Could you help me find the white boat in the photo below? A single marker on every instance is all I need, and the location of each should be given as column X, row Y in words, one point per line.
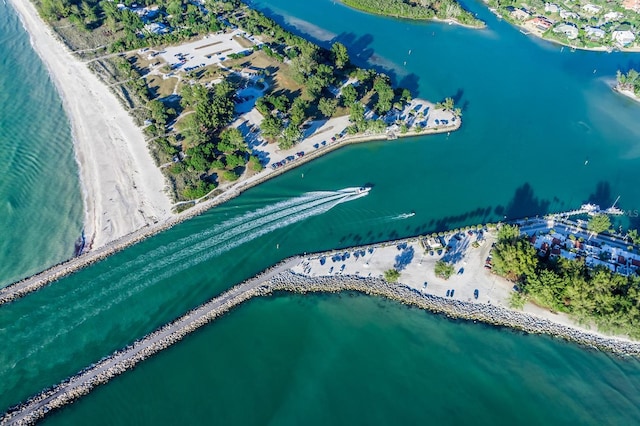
column 363, row 190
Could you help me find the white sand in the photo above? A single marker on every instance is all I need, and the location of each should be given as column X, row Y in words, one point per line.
column 123, row 189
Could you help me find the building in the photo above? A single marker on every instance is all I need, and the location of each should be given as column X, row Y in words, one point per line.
column 594, row 33
column 613, row 16
column 567, row 14
column 592, row 8
column 520, row 14
column 568, row 30
column 156, row 28
column 551, row 8
column 541, row 23
column 631, row 5
column 623, row 37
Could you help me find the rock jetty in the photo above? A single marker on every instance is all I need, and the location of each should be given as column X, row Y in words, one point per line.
column 280, row 279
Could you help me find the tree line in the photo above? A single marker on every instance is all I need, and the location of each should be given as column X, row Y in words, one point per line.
column 598, row 295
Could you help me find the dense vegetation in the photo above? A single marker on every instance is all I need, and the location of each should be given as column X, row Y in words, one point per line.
column 416, row 9
column 629, row 81
column 190, row 138
column 590, row 295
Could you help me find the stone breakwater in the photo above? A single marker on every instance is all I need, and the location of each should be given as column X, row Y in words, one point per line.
column 35, row 282
column 280, row 279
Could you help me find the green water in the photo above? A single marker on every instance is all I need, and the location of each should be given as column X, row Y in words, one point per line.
column 533, row 116
column 357, row 360
column 40, row 204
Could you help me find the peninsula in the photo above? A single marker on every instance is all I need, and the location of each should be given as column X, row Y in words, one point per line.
column 176, row 108
column 628, row 84
column 446, row 10
column 588, row 25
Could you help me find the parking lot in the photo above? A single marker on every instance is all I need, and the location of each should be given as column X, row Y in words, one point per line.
column 211, row 49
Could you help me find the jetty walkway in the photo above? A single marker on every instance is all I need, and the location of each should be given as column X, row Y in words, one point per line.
column 120, row 361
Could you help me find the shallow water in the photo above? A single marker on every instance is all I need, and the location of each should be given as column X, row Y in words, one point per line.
column 40, row 202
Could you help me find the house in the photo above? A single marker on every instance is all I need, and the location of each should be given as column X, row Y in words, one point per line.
column 623, row 37
column 551, row 8
column 592, row 8
column 542, row 23
column 156, row 28
column 567, row 14
column 250, row 72
column 613, row 16
column 568, row 30
column 594, row 33
column 520, row 14
column 631, row 5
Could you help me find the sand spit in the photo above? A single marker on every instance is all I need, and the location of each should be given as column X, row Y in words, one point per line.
column 123, row 190
column 281, row 279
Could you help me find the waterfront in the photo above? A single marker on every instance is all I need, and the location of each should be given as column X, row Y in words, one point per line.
column 508, row 159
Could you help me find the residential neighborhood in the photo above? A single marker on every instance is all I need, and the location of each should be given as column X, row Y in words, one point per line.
column 579, row 24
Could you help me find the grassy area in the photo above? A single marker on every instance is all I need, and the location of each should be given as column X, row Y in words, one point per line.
column 161, row 87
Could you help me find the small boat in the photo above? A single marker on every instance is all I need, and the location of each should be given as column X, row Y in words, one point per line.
column 363, row 190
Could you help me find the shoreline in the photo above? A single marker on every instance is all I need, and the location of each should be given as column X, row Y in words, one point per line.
column 122, row 188
column 433, row 19
column 278, row 279
column 35, row 282
column 626, row 93
column 537, row 34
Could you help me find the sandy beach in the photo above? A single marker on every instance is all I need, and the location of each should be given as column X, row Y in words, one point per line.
column 122, row 188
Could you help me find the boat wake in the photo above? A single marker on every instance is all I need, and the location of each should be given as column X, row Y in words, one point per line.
column 138, row 274
column 404, row 216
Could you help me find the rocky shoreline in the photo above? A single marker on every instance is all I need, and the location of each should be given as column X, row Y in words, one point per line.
column 280, row 279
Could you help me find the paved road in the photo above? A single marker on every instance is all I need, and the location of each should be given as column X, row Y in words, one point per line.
column 230, row 297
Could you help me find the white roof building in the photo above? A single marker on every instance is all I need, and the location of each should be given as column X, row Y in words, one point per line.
column 591, row 8
column 569, row 30
column 551, row 8
column 624, row 37
column 594, row 32
column 567, row 14
column 613, row 16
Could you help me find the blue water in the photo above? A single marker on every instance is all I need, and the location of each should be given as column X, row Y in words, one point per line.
column 533, row 115
column 40, row 202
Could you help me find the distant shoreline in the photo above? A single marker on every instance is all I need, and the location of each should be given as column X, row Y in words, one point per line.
column 431, row 19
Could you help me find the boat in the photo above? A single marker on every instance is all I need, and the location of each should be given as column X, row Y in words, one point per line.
column 363, row 190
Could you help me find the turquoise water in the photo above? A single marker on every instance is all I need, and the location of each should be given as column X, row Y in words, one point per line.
column 533, row 116
column 40, row 203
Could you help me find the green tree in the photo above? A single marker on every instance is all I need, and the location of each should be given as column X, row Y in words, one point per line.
column 443, row 269
column 230, row 175
column 340, row 55
column 290, row 136
column 349, row 95
column 632, row 234
column 327, row 106
column 599, row 223
column 255, row 164
column 271, row 127
column 383, row 89
column 515, row 260
column 231, row 140
column 297, row 113
column 234, row 160
column 391, row 275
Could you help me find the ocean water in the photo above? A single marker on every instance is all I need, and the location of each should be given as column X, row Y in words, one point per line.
column 542, row 132
column 40, row 201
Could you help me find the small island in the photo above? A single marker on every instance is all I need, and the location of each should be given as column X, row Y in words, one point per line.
column 587, row 25
column 443, row 10
column 628, row 84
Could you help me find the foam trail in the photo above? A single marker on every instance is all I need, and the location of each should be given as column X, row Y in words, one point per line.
column 314, row 209
column 180, row 244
